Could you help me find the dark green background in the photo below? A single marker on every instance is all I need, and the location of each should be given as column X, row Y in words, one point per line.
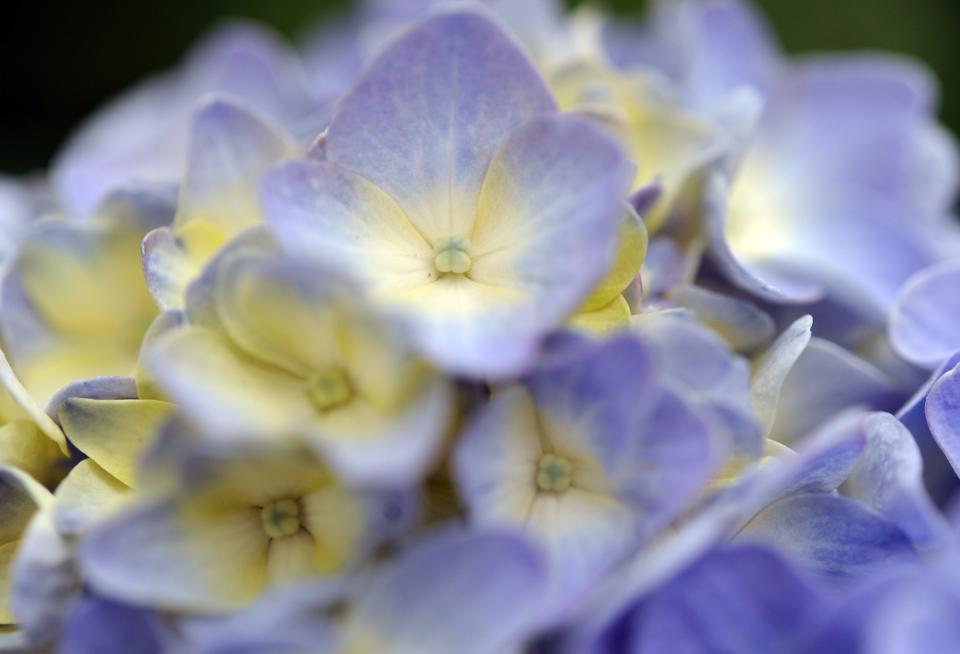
column 58, row 62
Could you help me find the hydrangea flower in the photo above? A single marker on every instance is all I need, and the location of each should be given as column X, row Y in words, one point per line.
column 455, row 192
column 278, row 348
column 492, row 329
column 75, row 302
column 587, row 455
column 235, row 524
column 228, row 149
column 846, row 184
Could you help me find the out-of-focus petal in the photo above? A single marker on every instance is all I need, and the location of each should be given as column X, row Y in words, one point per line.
column 229, row 392
column 742, row 598
column 942, row 410
column 113, row 432
column 101, row 625
column 742, row 324
column 773, row 367
column 142, row 136
column 832, row 535
column 154, row 555
column 489, row 586
column 85, row 496
column 889, row 477
column 825, row 380
column 925, row 325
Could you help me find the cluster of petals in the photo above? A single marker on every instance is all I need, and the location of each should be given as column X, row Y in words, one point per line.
column 488, row 327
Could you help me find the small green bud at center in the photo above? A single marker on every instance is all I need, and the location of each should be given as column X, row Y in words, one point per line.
column 328, row 389
column 554, row 473
column 451, row 254
column 281, row 518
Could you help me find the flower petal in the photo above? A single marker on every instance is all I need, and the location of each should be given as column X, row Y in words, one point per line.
column 223, row 389
column 830, row 534
column 889, row 477
column 85, row 496
column 772, row 368
column 230, row 148
column 826, row 380
column 487, row 585
column 742, row 598
column 113, row 433
column 425, row 119
column 942, row 410
column 925, row 325
column 154, row 555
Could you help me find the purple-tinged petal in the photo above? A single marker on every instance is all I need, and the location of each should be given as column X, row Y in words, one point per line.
column 942, row 409
column 889, row 478
column 102, row 626
column 142, row 136
column 842, row 155
column 547, row 221
column 696, row 363
column 925, row 325
column 488, row 586
column 730, row 48
column 939, row 476
column 95, row 388
column 229, row 148
column 44, row 581
column 741, row 598
column 823, row 460
column 766, row 279
column 831, row 535
column 920, row 617
column 826, row 380
column 424, row 121
column 290, row 619
column 745, row 326
column 635, row 454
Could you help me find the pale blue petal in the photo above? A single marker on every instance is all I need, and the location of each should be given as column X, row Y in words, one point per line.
column 942, row 409
column 826, row 380
column 425, row 119
column 743, row 598
column 889, row 477
column 925, row 325
column 831, row 535
column 487, row 586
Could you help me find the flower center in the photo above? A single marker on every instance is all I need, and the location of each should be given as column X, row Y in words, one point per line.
column 554, row 473
column 281, row 518
column 451, row 254
column 328, row 389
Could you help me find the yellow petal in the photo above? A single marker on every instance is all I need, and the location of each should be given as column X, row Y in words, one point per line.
column 20, row 497
column 605, row 319
column 8, row 552
column 226, row 390
column 45, row 374
column 88, row 494
column 335, row 519
column 87, row 282
column 631, row 251
column 27, row 405
column 667, row 144
column 290, row 558
column 114, row 433
column 24, row 446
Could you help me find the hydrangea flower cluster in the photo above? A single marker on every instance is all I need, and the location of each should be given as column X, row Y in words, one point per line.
column 482, row 328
